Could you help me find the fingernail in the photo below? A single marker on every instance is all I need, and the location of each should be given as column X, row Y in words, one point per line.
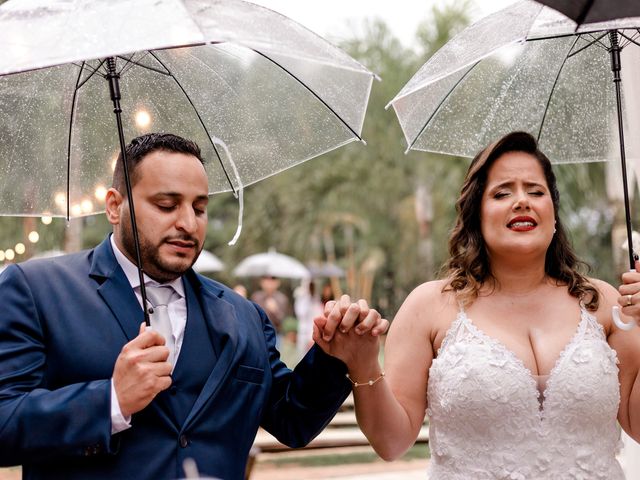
column 326, row 338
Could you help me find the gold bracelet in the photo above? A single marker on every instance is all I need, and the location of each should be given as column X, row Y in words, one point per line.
column 368, row 383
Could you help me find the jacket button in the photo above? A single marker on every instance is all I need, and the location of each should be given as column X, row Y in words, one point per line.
column 184, row 441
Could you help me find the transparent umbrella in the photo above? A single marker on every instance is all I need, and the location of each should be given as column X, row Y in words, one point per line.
column 526, row 68
column 529, row 68
column 258, row 92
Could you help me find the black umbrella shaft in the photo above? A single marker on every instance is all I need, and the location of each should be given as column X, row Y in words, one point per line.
column 114, row 87
column 616, row 66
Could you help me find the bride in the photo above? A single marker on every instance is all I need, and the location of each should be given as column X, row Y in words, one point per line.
column 513, row 355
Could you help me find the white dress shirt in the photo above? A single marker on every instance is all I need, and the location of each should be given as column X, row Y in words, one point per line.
column 177, row 313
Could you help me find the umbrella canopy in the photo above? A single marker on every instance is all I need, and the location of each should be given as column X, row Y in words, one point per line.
column 208, row 262
column 271, row 264
column 528, row 68
column 590, row 11
column 258, row 92
column 325, row 270
column 520, row 68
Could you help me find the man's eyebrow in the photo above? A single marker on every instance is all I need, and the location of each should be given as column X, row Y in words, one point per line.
column 177, row 195
column 167, row 194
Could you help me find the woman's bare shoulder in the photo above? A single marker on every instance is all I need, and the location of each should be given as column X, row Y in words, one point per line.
column 608, row 297
column 428, row 301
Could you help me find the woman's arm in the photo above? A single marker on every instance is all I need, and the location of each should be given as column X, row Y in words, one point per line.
column 627, row 346
column 391, row 411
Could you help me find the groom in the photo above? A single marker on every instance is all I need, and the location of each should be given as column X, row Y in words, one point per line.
column 86, row 392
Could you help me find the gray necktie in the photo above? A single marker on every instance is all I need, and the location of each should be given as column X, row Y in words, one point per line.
column 160, row 297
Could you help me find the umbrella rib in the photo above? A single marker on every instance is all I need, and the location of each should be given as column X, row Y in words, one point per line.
column 631, row 39
column 71, row 116
column 129, row 61
column 437, row 109
column 93, row 72
column 233, row 189
column 596, row 41
column 157, row 70
column 555, row 83
column 312, row 92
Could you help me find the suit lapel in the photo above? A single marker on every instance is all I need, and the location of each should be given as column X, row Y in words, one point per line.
column 222, row 322
column 115, row 290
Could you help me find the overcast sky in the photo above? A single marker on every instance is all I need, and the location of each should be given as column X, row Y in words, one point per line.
column 338, row 19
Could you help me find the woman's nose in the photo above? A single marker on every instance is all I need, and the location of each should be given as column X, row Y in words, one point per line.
column 522, row 202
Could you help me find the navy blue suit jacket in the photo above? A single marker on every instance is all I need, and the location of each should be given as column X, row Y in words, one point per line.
column 63, row 322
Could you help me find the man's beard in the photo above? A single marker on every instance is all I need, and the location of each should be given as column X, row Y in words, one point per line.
column 152, row 262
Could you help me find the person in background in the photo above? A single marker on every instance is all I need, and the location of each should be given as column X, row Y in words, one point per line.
column 240, row 290
column 307, row 306
column 327, row 293
column 272, row 301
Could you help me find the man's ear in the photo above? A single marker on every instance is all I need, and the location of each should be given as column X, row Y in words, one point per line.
column 114, row 202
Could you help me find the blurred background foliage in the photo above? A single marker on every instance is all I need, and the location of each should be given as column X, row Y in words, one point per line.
column 381, row 215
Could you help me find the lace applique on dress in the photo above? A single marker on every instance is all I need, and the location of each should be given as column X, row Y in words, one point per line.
column 490, row 419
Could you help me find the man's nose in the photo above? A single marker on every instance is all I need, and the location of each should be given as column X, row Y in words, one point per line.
column 186, row 220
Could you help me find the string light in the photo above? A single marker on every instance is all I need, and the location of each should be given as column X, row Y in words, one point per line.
column 86, row 206
column 143, row 119
column 33, row 237
column 100, row 193
column 46, row 219
column 76, row 210
column 20, row 248
column 60, row 199
column 9, row 254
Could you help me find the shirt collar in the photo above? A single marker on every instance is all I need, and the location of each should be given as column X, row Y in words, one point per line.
column 131, row 272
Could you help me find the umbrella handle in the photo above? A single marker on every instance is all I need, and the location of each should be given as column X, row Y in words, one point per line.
column 615, row 313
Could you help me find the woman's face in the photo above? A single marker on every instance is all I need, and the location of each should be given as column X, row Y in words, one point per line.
column 516, row 213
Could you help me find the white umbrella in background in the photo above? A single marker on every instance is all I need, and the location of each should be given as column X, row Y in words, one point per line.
column 325, row 270
column 271, row 264
column 49, row 254
column 208, row 262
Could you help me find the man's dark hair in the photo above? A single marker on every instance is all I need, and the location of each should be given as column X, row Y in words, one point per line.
column 144, row 145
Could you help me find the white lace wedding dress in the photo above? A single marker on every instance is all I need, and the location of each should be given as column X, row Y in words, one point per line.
column 488, row 419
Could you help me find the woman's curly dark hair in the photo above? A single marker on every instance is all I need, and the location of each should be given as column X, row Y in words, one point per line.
column 468, row 266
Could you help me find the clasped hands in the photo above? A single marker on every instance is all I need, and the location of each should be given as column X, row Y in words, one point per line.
column 350, row 330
